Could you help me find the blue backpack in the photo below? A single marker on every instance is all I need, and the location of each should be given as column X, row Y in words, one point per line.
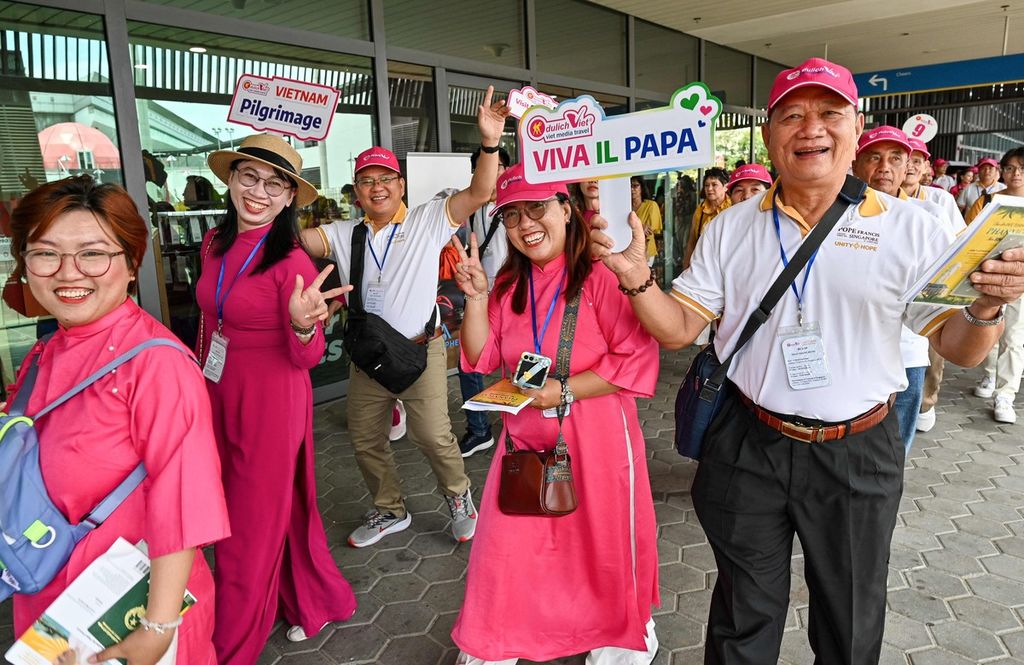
column 36, row 540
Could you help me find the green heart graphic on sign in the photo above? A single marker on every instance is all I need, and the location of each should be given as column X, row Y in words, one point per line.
column 690, row 103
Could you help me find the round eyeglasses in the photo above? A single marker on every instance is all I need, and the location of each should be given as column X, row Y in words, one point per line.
column 272, row 186
column 89, row 262
column 511, row 216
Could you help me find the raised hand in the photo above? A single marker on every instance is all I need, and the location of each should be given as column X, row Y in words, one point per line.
column 469, row 274
column 307, row 304
column 631, row 261
column 490, row 118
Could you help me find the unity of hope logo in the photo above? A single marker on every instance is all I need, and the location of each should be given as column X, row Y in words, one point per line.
column 575, row 141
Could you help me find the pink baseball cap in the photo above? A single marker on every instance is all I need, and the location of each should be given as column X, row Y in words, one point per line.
column 988, row 161
column 750, row 172
column 973, row 169
column 512, row 188
column 814, row 72
column 377, row 156
column 884, row 133
column 940, row 161
column 917, row 145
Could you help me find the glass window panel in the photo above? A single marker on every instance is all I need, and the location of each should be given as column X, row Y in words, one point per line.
column 182, row 100
column 460, row 28
column 463, row 103
column 727, row 74
column 56, row 119
column 413, row 110
column 666, row 60
column 581, row 40
column 766, row 73
column 612, row 104
column 344, row 18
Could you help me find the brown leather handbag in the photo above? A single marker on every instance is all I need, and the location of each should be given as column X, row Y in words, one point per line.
column 540, row 483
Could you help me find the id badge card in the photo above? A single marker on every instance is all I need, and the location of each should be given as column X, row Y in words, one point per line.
column 215, row 359
column 375, row 297
column 803, row 350
column 553, row 411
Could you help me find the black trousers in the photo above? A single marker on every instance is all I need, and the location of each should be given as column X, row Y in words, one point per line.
column 753, row 490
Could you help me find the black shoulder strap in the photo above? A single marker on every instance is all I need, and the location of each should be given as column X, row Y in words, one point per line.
column 987, row 196
column 490, row 232
column 851, row 194
column 355, row 277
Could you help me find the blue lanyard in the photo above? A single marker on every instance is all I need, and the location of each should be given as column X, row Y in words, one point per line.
column 551, row 310
column 220, row 281
column 380, row 263
column 785, row 261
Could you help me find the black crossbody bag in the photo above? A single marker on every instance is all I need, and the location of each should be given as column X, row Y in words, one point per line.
column 384, row 354
column 704, row 389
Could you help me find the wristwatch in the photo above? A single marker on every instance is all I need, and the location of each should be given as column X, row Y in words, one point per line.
column 567, row 395
column 490, row 150
column 974, row 321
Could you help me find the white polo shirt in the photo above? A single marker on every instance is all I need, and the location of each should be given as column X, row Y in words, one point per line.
column 944, row 200
column 946, row 182
column 867, row 262
column 914, row 347
column 974, row 191
column 497, row 250
column 411, row 267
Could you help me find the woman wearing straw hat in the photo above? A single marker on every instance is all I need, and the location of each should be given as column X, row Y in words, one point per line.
column 260, row 333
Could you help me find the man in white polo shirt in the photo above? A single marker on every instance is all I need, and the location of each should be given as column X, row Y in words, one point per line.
column 985, row 185
column 883, row 159
column 399, row 284
column 835, row 477
column 942, row 180
column 916, row 168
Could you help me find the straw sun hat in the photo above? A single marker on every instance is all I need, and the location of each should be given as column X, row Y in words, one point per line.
column 270, row 150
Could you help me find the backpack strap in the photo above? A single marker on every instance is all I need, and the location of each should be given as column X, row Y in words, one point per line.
column 112, row 501
column 355, row 276
column 98, row 374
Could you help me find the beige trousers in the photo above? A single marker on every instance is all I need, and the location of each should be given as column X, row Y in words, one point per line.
column 1005, row 361
column 932, row 380
column 426, row 404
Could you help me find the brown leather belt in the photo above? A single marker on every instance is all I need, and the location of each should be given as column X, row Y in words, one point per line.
column 423, row 339
column 820, row 433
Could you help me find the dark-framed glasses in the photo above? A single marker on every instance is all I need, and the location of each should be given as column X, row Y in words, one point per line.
column 89, row 262
column 1013, row 170
column 370, row 182
column 273, row 186
column 511, row 216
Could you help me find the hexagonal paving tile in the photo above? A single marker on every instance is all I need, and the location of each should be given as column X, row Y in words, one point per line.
column 967, row 640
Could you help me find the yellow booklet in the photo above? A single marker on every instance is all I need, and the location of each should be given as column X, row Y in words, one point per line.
column 502, row 396
column 999, row 227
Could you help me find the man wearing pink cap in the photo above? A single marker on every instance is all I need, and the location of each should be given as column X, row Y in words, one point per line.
column 748, row 181
column 942, row 179
column 984, row 187
column 399, row 284
column 883, row 160
column 917, row 167
column 809, row 448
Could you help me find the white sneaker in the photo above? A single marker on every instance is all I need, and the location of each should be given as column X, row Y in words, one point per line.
column 985, row 389
column 376, row 525
column 398, row 431
column 926, row 420
column 463, row 516
column 298, row 634
column 1003, row 409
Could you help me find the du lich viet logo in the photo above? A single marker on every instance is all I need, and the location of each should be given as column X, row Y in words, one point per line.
column 575, row 141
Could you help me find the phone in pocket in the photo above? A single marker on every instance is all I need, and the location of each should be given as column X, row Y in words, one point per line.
column 532, row 370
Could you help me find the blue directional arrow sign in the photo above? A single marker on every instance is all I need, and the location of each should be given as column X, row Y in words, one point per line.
column 963, row 74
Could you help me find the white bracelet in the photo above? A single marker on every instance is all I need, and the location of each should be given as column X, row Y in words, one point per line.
column 159, row 628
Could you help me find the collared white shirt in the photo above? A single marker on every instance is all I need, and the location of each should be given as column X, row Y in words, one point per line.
column 497, row 250
column 411, row 267
column 872, row 256
column 944, row 200
column 946, row 182
column 974, row 191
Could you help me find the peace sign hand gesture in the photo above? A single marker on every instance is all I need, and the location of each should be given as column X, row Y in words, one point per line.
column 307, row 304
column 470, row 275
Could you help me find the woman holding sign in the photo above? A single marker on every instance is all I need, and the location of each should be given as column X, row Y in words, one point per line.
column 542, row 587
column 260, row 334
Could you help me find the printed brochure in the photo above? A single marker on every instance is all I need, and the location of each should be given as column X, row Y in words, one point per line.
column 502, row 396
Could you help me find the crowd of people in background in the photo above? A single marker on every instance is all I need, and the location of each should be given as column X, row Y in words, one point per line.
column 816, row 456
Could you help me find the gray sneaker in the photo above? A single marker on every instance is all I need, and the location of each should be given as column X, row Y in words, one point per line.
column 376, row 525
column 463, row 516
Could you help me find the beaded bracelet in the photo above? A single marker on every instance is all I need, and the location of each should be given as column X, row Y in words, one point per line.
column 640, row 289
column 479, row 296
column 303, row 332
column 159, row 628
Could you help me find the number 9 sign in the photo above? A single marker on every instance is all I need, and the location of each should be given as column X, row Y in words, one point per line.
column 922, row 127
